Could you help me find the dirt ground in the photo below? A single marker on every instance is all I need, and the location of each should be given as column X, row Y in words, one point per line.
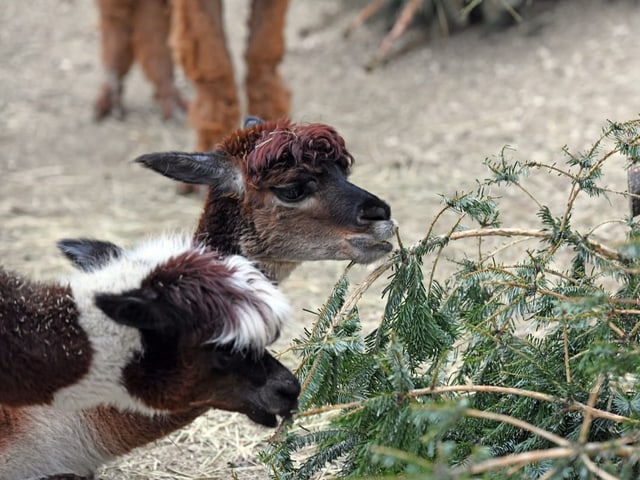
column 419, row 127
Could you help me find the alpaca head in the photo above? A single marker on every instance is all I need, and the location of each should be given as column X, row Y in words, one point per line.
column 278, row 193
column 204, row 322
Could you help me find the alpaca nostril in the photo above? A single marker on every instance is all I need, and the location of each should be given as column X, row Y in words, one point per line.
column 374, row 213
column 290, row 389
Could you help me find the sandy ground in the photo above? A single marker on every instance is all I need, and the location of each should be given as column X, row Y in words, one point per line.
column 419, row 127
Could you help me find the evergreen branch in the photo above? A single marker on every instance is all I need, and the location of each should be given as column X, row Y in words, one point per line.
column 515, row 459
column 351, row 301
column 434, row 222
column 593, row 397
column 571, row 405
column 435, row 262
column 467, row 328
column 499, row 417
column 552, row 168
column 619, row 447
column 400, row 455
column 597, row 471
column 617, row 330
column 501, row 248
column 606, row 222
column 634, row 330
column 549, row 474
column 512, row 232
column 529, row 194
column 515, row 351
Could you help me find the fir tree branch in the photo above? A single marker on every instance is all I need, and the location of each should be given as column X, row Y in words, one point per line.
column 570, row 405
column 516, row 422
column 619, row 447
column 436, row 260
column 512, row 232
column 552, row 168
column 519, row 459
column 634, row 330
column 501, row 248
column 597, row 471
column 588, row 417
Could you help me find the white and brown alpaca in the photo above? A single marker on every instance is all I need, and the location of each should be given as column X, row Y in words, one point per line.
column 159, row 331
column 278, row 194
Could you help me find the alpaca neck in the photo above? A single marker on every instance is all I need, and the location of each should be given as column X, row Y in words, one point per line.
column 224, row 229
column 277, row 271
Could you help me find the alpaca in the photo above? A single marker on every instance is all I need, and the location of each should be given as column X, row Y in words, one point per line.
column 277, row 194
column 140, row 29
column 172, row 327
column 136, row 30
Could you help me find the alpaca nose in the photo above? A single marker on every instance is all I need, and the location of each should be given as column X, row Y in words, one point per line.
column 290, row 388
column 373, row 211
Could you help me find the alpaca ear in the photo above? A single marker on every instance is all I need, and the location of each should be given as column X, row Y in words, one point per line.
column 211, row 168
column 87, row 254
column 250, row 121
column 137, row 308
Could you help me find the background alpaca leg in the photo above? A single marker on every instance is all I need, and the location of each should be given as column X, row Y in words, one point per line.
column 267, row 95
column 200, row 44
column 151, row 24
column 117, row 54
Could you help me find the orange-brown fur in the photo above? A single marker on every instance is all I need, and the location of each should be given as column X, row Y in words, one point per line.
column 139, row 30
column 136, row 30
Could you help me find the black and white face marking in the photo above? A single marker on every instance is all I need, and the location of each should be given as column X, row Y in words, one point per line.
column 173, row 287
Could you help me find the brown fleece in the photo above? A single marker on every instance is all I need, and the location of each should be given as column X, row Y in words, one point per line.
column 42, row 346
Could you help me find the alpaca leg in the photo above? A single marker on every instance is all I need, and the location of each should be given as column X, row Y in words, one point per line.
column 200, row 43
column 117, row 54
column 267, row 94
column 151, row 23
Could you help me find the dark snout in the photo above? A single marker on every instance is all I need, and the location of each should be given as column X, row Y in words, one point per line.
column 353, row 206
column 372, row 209
column 278, row 397
column 367, row 218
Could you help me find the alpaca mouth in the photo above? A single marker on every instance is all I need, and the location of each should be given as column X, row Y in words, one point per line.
column 367, row 249
column 370, row 247
column 265, row 418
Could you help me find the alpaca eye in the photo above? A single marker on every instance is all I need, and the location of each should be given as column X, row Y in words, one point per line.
column 292, row 193
column 221, row 359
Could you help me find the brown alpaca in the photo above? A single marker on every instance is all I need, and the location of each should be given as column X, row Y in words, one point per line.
column 278, row 194
column 139, row 30
column 136, row 30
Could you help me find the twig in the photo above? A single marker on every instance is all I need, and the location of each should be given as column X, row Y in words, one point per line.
column 594, row 412
column 363, row 16
column 619, row 447
column 565, row 339
column 404, row 18
column 499, row 417
column 438, row 255
column 597, row 471
column 588, row 417
column 517, row 459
